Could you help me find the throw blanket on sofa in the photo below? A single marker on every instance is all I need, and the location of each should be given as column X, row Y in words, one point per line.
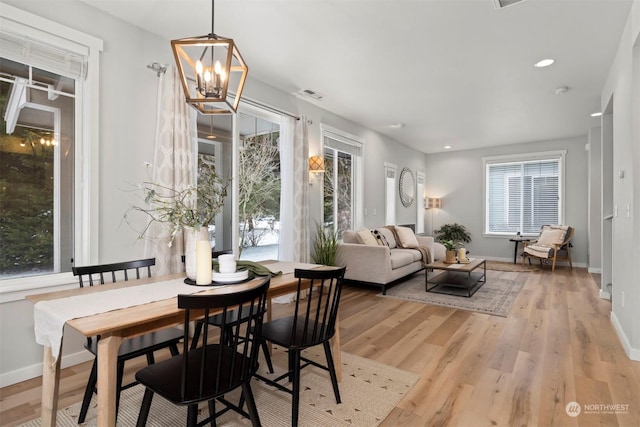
column 424, row 251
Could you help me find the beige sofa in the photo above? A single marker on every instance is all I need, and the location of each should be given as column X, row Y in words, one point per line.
column 381, row 262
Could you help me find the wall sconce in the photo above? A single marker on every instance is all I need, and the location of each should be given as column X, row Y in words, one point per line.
column 316, row 167
column 433, row 202
column 316, row 164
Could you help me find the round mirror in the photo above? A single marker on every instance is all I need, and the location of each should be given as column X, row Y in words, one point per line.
column 407, row 187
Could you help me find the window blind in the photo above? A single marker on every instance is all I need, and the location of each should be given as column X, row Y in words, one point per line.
column 353, row 149
column 522, row 196
column 42, row 55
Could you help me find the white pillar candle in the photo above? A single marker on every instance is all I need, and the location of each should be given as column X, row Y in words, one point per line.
column 203, row 262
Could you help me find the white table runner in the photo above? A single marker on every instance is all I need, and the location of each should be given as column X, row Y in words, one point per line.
column 50, row 316
column 287, row 267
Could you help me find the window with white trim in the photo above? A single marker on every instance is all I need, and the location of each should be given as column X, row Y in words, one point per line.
column 523, row 193
column 48, row 96
column 342, row 187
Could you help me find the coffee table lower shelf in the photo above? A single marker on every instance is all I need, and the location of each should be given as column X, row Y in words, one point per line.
column 455, row 282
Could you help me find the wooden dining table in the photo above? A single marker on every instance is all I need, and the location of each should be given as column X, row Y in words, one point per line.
column 117, row 325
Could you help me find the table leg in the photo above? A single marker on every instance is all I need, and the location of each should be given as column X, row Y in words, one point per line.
column 50, row 387
column 515, row 252
column 107, row 376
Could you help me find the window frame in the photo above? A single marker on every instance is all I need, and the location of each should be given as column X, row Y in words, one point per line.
column 327, row 131
column 86, row 145
column 559, row 155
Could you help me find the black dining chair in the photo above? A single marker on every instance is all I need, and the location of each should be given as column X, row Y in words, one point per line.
column 131, row 348
column 219, row 363
column 313, row 323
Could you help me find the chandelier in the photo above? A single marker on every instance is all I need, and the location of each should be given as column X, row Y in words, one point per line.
column 212, row 71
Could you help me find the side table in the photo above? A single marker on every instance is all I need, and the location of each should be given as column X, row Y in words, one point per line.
column 517, row 240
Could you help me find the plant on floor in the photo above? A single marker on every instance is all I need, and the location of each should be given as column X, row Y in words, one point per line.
column 455, row 233
column 325, row 245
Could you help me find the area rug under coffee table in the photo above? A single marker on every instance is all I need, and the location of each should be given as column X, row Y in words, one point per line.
column 369, row 391
column 495, row 297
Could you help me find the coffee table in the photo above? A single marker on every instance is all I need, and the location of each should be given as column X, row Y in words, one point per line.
column 456, row 277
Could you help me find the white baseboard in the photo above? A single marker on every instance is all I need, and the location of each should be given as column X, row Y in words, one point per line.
column 632, row 353
column 33, row 371
column 595, row 270
column 605, row 295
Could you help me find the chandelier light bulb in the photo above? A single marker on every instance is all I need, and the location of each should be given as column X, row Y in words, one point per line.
column 217, row 67
column 199, row 67
column 207, row 76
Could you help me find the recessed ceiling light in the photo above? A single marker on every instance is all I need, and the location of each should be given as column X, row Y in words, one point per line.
column 598, row 114
column 446, row 147
column 397, row 126
column 544, row 63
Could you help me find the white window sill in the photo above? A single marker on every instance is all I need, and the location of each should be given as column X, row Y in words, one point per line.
column 19, row 288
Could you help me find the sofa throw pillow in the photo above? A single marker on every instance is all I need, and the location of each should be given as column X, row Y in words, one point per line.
column 366, row 237
column 551, row 236
column 388, row 234
column 407, row 237
column 382, row 241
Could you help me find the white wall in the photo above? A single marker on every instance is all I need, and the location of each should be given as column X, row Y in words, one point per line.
column 457, row 177
column 623, row 86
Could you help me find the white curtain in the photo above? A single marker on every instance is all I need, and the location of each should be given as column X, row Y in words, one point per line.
column 301, row 191
column 173, row 165
column 294, row 198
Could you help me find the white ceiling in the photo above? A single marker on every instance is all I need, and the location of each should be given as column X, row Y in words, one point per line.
column 454, row 72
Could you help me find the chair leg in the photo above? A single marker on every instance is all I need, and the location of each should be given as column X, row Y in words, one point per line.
column 212, row 412
column 332, row 370
column 251, row 404
column 196, row 335
column 291, row 365
column 88, row 392
column 144, row 408
column 553, row 264
column 265, row 350
column 174, row 349
column 294, row 359
column 192, row 416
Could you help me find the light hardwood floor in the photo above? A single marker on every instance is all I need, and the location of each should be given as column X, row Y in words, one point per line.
column 556, row 346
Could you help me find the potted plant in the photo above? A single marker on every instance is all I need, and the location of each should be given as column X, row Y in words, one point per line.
column 452, row 236
column 325, row 246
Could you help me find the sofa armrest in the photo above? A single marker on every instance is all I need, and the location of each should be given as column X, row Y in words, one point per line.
column 436, row 249
column 367, row 263
column 425, row 241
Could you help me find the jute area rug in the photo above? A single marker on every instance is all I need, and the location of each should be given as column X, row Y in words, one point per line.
column 369, row 391
column 495, row 297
